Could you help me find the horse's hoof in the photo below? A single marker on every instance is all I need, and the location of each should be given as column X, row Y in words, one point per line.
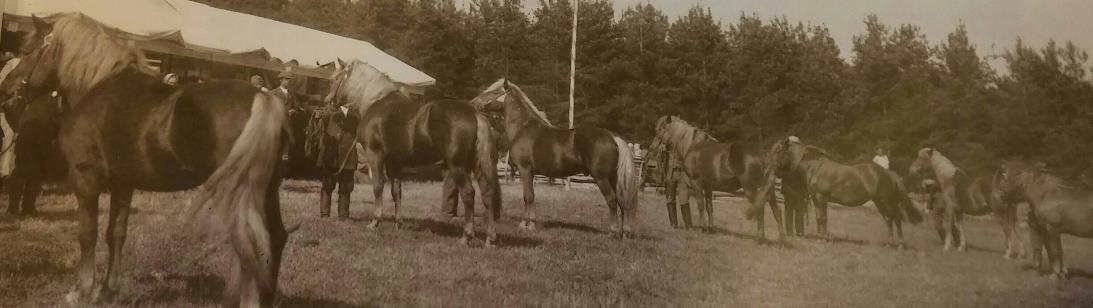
column 372, row 225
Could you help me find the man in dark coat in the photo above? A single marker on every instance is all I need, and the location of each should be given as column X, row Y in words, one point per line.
column 282, row 92
column 338, row 159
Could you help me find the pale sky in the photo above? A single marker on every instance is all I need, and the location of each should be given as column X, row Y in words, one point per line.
column 995, row 23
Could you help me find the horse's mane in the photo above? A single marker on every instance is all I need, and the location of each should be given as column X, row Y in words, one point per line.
column 523, row 99
column 366, row 85
column 91, row 52
column 811, row 150
column 682, row 135
column 487, row 96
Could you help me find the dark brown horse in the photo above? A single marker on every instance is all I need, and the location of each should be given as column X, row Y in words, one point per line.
column 961, row 195
column 539, row 148
column 1056, row 206
column 126, row 130
column 398, row 132
column 712, row 166
column 849, row 185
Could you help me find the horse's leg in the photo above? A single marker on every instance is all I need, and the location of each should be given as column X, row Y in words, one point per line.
column 528, row 179
column 949, row 219
column 1036, row 242
column 670, row 194
column 466, row 192
column 821, row 216
column 88, row 214
column 1055, row 252
column 15, row 194
column 31, row 190
column 379, row 179
column 707, row 197
column 396, row 193
column 900, row 244
column 684, row 191
column 449, row 202
column 961, row 237
column 777, row 212
column 116, row 226
column 613, row 205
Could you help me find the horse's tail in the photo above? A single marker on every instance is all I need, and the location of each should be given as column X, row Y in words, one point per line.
column 487, row 166
column 903, row 200
column 628, row 178
column 235, row 200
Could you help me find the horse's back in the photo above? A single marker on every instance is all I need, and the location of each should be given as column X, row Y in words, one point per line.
column 157, row 137
column 415, row 133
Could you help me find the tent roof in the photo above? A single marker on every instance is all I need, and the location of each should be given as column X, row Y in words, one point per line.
column 202, row 26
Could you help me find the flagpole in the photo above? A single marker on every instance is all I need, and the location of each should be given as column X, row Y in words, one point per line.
column 572, row 72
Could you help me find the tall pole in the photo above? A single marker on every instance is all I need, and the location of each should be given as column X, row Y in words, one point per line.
column 572, row 74
column 573, row 63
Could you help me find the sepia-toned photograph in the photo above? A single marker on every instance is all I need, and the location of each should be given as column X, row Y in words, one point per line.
column 546, row 153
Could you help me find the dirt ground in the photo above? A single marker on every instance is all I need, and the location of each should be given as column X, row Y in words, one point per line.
column 569, row 262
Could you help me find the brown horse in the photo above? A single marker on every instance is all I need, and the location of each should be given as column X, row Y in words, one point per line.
column 538, row 147
column 126, row 130
column 712, row 166
column 849, row 185
column 672, row 140
column 1056, row 206
column 961, row 195
column 397, row 132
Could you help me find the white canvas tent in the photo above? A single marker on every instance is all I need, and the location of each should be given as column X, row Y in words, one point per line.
column 198, row 26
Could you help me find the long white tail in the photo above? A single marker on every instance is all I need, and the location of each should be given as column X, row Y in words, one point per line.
column 235, row 200
column 628, row 178
column 487, row 167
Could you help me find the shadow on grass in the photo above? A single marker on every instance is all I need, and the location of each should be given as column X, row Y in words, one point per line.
column 454, row 229
column 301, row 188
column 199, row 289
column 840, row 240
column 48, row 216
column 41, row 268
column 314, row 302
column 571, row 226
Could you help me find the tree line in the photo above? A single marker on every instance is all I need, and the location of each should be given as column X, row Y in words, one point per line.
column 749, row 79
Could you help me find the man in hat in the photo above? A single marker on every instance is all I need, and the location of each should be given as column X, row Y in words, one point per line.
column 283, row 93
column 338, row 160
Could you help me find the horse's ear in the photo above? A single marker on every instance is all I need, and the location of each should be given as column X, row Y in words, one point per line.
column 341, row 64
column 41, row 26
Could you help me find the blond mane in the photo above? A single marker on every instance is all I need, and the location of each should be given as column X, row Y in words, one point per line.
column 523, row 99
column 90, row 53
column 365, row 85
column 681, row 135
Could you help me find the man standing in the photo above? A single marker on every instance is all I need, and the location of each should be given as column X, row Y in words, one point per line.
column 338, row 160
column 283, row 93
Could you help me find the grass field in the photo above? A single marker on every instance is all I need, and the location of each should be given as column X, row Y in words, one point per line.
column 570, row 262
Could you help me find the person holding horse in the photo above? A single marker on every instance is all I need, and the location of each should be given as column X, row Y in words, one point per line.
column 670, row 164
column 960, row 194
column 338, row 160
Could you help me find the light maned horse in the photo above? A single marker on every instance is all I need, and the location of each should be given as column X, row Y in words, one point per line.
column 672, row 139
column 712, row 166
column 962, row 195
column 398, row 132
column 1056, row 206
column 827, row 180
column 537, row 147
column 126, row 130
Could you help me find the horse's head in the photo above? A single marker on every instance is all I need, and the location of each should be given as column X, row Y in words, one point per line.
column 36, row 74
column 923, row 164
column 1012, row 180
column 493, row 98
column 660, row 131
column 785, row 154
column 337, row 95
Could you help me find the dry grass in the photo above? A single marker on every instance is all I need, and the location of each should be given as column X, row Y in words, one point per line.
column 571, row 262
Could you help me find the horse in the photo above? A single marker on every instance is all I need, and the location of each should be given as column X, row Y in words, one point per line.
column 398, row 132
column 1056, row 206
column 537, row 147
column 127, row 131
column 827, row 180
column 709, row 165
column 961, row 195
column 672, row 139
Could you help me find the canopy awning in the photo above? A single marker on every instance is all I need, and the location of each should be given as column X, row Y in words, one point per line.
column 201, row 30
